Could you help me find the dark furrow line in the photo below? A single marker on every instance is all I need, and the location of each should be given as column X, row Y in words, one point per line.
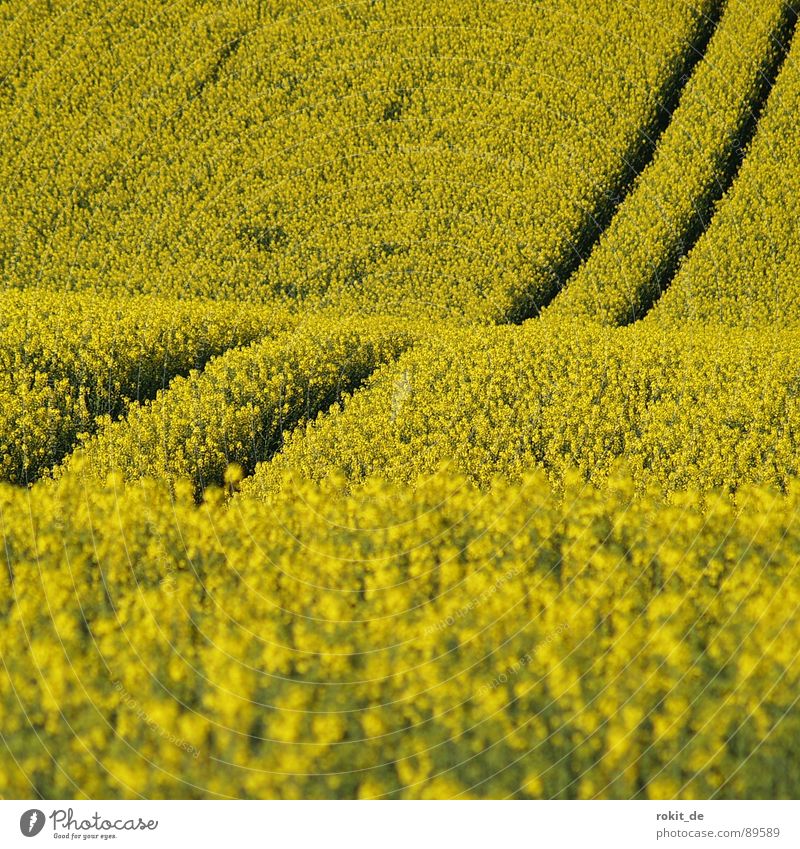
column 732, row 168
column 698, row 159
column 634, row 162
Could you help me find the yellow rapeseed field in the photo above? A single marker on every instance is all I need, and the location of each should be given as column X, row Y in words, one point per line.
column 399, row 400
column 390, row 642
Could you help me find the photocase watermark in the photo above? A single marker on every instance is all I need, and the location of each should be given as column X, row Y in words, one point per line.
column 32, row 822
column 401, row 392
column 66, row 825
column 476, row 601
column 131, row 702
column 512, row 670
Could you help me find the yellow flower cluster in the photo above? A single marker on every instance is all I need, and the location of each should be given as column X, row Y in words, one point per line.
column 437, row 641
column 446, row 157
column 65, row 360
column 673, row 197
column 691, row 406
column 237, row 408
column 40, row 418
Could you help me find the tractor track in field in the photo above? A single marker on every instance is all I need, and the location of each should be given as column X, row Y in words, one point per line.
column 598, row 220
column 731, row 172
column 616, row 284
column 634, row 162
column 240, row 406
column 734, row 166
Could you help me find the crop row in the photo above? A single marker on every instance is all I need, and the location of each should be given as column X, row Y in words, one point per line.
column 689, row 406
column 744, row 269
column 65, row 360
column 236, row 410
column 377, row 156
column 673, row 197
column 436, row 641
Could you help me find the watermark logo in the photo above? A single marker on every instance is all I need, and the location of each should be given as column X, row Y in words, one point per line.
column 31, row 822
column 401, row 393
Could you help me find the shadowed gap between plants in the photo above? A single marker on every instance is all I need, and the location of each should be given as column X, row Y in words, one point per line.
column 635, row 161
column 664, row 275
column 138, row 385
column 268, row 441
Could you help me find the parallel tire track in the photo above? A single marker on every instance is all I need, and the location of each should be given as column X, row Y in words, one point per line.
column 696, row 161
column 642, row 151
column 236, row 411
column 67, row 359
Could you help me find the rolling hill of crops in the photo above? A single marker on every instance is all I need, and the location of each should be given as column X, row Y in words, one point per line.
column 399, row 400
